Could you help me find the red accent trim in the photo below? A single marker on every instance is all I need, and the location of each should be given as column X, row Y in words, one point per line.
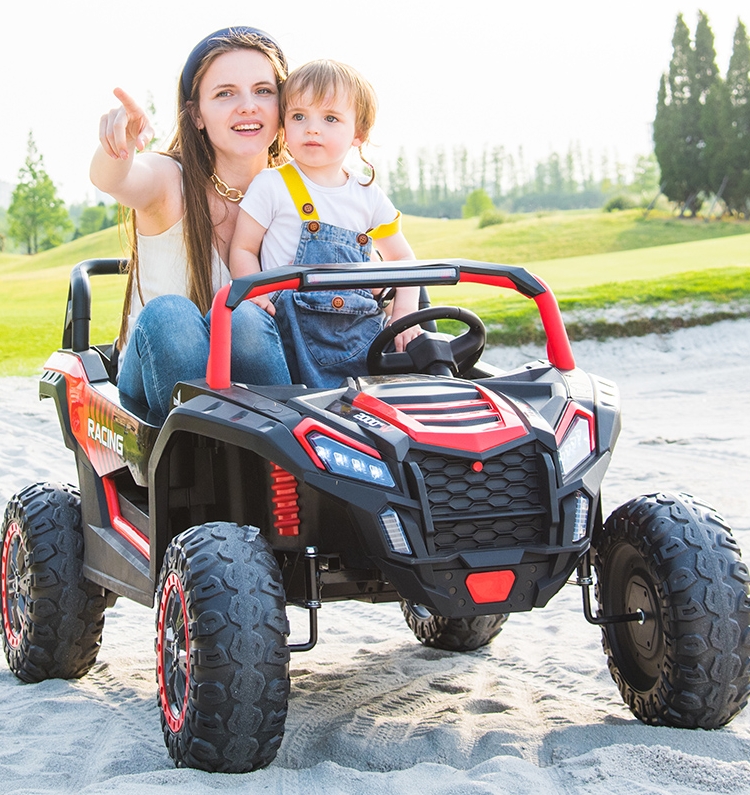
column 490, row 586
column 130, row 533
column 309, row 424
column 477, row 466
column 285, row 501
column 13, row 639
column 219, row 364
column 218, row 369
column 175, row 722
column 507, row 428
column 559, row 352
column 573, row 410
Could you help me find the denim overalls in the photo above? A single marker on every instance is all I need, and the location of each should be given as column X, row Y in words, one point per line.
column 327, row 333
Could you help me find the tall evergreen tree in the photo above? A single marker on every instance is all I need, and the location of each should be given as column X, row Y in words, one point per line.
column 676, row 125
column 706, row 98
column 737, row 125
column 37, row 217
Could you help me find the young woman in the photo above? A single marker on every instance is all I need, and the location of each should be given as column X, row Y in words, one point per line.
column 185, row 207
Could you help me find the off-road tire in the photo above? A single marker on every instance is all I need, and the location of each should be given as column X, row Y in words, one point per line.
column 688, row 663
column 222, row 655
column 451, row 634
column 52, row 615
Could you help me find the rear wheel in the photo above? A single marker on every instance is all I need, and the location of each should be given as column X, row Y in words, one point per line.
column 222, row 658
column 52, row 615
column 452, row 634
column 674, row 559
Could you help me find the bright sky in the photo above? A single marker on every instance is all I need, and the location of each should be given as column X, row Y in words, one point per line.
column 541, row 74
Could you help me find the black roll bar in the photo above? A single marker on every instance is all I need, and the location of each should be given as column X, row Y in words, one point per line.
column 78, row 308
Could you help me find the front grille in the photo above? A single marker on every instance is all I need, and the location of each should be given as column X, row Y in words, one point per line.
column 499, row 506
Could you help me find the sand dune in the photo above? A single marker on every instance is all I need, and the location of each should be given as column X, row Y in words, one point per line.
column 373, row 710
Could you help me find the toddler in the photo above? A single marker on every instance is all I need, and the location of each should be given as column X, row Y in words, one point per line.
column 312, row 211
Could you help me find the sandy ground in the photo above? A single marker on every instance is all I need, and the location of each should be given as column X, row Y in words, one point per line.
column 371, row 710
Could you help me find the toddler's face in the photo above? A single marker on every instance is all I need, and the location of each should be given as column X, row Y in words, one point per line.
column 320, row 134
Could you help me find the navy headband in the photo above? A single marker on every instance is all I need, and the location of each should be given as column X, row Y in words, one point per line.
column 210, row 42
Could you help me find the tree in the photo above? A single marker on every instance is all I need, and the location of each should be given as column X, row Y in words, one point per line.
column 736, row 157
column 676, row 124
column 477, row 202
column 37, row 216
column 705, row 101
column 95, row 218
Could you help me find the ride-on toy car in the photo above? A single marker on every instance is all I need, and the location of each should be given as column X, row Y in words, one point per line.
column 463, row 492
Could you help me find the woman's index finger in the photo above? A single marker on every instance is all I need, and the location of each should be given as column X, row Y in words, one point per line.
column 130, row 105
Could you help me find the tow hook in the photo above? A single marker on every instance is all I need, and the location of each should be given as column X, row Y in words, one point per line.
column 312, row 599
column 584, row 579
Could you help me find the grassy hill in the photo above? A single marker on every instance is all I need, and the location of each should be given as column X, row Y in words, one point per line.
column 590, row 259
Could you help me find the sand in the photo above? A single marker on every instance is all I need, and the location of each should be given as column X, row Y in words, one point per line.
column 372, row 710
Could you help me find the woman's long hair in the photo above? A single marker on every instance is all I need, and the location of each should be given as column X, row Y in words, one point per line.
column 192, row 149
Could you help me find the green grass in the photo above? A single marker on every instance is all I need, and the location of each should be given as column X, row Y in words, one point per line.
column 541, row 237
column 33, row 294
column 589, row 259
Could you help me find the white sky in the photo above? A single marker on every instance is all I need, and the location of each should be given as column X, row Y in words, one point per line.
column 538, row 73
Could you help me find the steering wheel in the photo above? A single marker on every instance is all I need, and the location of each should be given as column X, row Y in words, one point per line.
column 429, row 353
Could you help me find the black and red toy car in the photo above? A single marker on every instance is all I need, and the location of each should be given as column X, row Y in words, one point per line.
column 462, row 492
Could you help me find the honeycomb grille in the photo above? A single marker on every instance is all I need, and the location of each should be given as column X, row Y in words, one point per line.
column 500, row 506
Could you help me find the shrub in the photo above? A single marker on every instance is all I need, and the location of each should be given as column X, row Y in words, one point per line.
column 619, row 202
column 492, row 217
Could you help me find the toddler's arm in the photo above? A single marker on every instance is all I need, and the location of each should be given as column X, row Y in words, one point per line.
column 395, row 247
column 244, row 251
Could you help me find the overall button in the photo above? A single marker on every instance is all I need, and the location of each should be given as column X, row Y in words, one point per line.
column 307, row 208
column 337, row 302
column 313, row 227
column 363, row 239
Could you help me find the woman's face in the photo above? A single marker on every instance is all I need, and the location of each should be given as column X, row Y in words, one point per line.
column 239, row 105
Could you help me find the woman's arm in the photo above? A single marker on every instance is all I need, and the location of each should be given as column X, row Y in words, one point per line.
column 150, row 183
column 244, row 254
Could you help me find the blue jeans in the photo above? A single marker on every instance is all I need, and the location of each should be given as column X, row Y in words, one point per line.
column 327, row 333
column 169, row 343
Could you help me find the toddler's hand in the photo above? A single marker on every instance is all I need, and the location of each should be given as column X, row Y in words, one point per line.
column 405, row 337
column 265, row 303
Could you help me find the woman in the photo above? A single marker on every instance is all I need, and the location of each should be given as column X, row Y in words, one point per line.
column 184, row 204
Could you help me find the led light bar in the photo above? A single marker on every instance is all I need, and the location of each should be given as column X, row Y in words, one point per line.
column 394, row 532
column 362, row 277
column 339, row 459
column 581, row 521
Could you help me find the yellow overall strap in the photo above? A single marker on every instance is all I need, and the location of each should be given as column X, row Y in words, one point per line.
column 306, row 209
column 298, row 192
column 386, row 230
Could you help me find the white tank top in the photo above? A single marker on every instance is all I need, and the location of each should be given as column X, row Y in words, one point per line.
column 162, row 269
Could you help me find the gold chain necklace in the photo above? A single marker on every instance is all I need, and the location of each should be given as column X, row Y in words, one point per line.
column 230, row 194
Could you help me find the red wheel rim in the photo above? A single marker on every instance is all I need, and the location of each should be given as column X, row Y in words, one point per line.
column 172, row 653
column 12, row 578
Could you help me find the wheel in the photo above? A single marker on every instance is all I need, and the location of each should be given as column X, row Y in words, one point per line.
column 222, row 662
column 429, row 353
column 686, row 663
column 452, row 634
column 52, row 615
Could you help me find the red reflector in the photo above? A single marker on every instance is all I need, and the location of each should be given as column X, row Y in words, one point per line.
column 490, row 586
column 477, row 466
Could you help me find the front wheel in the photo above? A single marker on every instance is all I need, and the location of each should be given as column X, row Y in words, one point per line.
column 52, row 615
column 673, row 558
column 451, row 634
column 222, row 656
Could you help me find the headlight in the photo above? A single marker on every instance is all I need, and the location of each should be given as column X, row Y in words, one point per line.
column 339, row 459
column 576, row 446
